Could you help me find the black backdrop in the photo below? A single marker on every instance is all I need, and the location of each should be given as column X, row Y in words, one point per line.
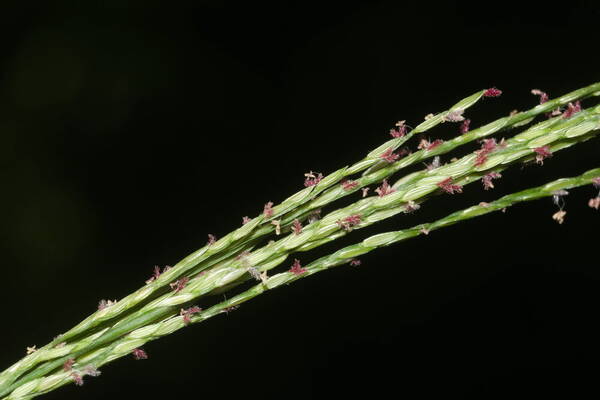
column 128, row 133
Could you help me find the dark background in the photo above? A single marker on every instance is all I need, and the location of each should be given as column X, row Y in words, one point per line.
column 128, row 133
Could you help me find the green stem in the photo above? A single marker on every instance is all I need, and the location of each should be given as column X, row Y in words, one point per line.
column 148, row 333
column 240, row 237
column 373, row 209
column 297, row 205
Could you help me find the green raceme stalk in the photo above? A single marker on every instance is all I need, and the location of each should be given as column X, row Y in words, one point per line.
column 137, row 338
column 240, row 237
column 153, row 310
column 310, row 193
column 372, row 209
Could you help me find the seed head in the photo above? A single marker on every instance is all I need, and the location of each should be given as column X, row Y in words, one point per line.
column 464, row 127
column 454, row 116
column 434, row 144
column 187, row 314
column 572, row 109
column 297, row 227
column 349, row 185
column 423, row 144
column 297, row 269
column 594, row 203
column 91, row 371
column 481, row 158
column 245, row 220
column 355, row 262
column 349, row 223
column 557, row 111
column 596, row 182
column 77, row 378
column 400, row 131
column 542, row 153
column 411, row 206
column 395, row 134
column 389, row 155
column 105, row 304
column 487, row 180
column 543, row 95
column 447, row 186
column 179, row 284
column 311, row 179
column 211, row 239
column 365, row 190
column 488, row 145
column 68, row 365
column 139, row 354
column 155, row 275
column 254, row 272
column 559, row 216
column 384, row 189
column 268, row 210
column 492, row 92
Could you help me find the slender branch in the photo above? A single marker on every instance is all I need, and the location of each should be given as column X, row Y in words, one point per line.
column 241, row 237
column 373, row 209
column 222, row 252
column 151, row 332
column 307, row 194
